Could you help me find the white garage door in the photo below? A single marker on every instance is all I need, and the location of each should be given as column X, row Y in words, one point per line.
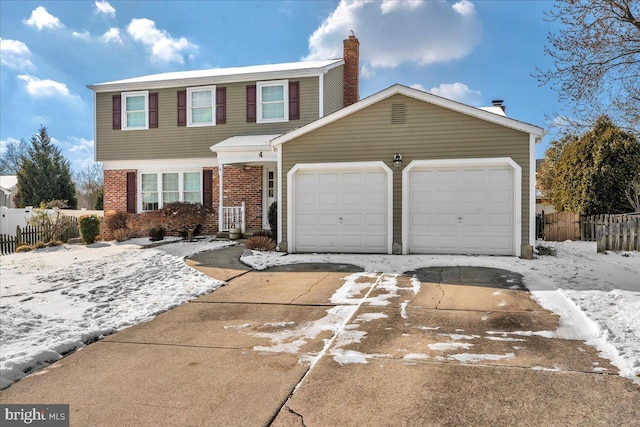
column 340, row 211
column 461, row 210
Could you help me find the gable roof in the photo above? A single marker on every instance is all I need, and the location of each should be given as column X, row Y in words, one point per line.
column 220, row 75
column 430, row 98
column 7, row 182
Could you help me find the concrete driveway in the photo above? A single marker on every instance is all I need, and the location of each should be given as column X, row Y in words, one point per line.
column 327, row 345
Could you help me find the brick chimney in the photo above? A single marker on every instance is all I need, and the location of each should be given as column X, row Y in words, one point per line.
column 351, row 70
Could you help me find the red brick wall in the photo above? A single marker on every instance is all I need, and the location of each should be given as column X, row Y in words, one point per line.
column 241, row 184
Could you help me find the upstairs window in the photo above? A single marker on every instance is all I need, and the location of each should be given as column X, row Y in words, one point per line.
column 135, row 110
column 273, row 101
column 201, row 103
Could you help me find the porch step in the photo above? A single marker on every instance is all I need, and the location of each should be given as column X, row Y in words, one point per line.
column 225, row 234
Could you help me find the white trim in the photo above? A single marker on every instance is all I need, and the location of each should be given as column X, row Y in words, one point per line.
column 123, row 110
column 190, row 91
column 321, row 96
column 158, row 174
column 337, row 166
column 285, row 100
column 218, row 76
column 265, row 191
column 416, row 94
column 279, row 194
column 532, row 188
column 220, row 196
column 95, row 127
column 161, row 164
column 491, row 161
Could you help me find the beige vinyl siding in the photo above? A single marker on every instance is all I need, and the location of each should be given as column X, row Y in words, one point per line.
column 170, row 141
column 333, row 90
column 430, row 132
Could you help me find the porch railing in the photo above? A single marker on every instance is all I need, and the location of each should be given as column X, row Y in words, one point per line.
column 233, row 217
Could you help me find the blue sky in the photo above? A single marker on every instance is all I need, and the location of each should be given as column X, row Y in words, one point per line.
column 471, row 51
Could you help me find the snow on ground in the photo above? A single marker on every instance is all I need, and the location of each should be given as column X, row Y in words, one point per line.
column 56, row 300
column 597, row 295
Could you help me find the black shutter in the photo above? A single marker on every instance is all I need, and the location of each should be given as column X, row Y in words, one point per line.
column 153, row 110
column 131, row 192
column 221, row 105
column 251, row 104
column 182, row 108
column 207, row 188
column 117, row 112
column 294, row 100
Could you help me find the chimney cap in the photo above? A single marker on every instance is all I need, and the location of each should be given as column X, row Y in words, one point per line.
column 497, row 102
column 352, row 35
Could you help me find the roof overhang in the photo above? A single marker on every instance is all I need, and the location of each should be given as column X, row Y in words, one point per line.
column 398, row 89
column 245, row 149
column 213, row 76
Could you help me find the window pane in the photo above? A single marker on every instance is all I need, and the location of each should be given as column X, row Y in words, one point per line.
column 191, row 181
column 192, row 196
column 272, row 93
column 201, row 99
column 202, row 115
column 170, row 182
column 135, row 103
column 149, row 182
column 136, row 119
column 273, row 111
column 169, row 197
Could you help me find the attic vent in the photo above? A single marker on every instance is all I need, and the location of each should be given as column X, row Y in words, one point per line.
column 398, row 114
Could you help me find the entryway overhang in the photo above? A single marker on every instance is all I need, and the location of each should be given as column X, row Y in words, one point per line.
column 245, row 149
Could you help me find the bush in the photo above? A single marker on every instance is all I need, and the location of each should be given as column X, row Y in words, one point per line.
column 196, row 232
column 115, row 220
column 39, row 245
column 49, row 217
column 265, row 233
column 261, row 243
column 24, row 248
column 89, row 228
column 545, row 250
column 272, row 216
column 182, row 217
column 55, row 243
column 156, row 234
column 121, row 234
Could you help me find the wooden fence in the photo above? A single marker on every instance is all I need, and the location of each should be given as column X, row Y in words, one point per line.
column 561, row 226
column 30, row 235
column 612, row 232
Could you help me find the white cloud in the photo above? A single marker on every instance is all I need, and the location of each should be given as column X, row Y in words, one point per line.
column 44, row 88
column 419, row 87
column 83, row 35
column 458, row 92
column 396, row 32
column 40, row 19
column 105, row 8
column 367, row 72
column 14, row 54
column 164, row 48
column 112, row 36
column 80, row 145
column 6, row 142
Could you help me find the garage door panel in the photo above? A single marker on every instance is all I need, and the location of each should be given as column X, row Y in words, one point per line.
column 351, row 208
column 466, row 210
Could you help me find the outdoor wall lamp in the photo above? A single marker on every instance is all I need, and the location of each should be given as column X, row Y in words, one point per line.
column 397, row 160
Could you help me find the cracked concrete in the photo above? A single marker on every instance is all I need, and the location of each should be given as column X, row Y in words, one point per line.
column 466, row 347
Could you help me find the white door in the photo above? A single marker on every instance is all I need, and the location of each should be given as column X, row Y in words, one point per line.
column 269, row 193
column 461, row 210
column 341, row 210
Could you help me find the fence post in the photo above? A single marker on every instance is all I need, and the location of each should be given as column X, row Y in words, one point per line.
column 18, row 236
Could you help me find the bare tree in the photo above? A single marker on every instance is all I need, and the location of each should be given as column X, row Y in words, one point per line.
column 596, row 60
column 11, row 157
column 633, row 194
column 88, row 184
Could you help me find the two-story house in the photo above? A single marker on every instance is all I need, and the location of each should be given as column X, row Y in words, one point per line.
column 204, row 136
column 401, row 171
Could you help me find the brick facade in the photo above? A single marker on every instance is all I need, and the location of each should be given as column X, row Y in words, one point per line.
column 241, row 184
column 351, row 70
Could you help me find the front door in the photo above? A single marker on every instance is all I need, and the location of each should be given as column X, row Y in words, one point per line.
column 269, row 193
